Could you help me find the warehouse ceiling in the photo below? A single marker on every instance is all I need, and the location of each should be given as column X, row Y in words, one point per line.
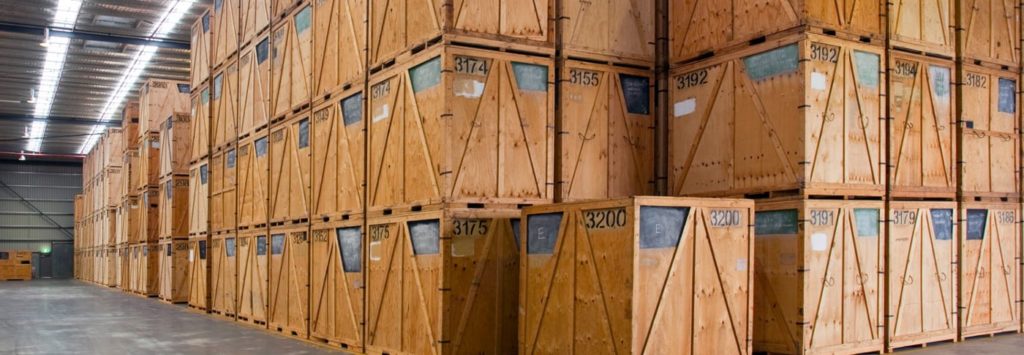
column 53, row 98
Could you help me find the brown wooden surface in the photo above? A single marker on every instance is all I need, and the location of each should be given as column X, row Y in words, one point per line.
column 130, row 125
column 336, row 291
column 289, row 280
column 147, row 216
column 253, row 174
column 338, row 157
column 225, row 29
column 224, row 105
column 254, row 18
column 200, row 125
column 991, row 31
column 291, row 62
column 800, row 113
column 254, row 86
column 127, row 221
column 174, row 270
column 339, row 39
column 820, row 289
column 130, row 171
column 253, row 251
column 989, row 277
column 149, row 163
column 602, row 289
column 175, row 145
column 174, row 204
column 223, row 271
column 991, row 133
column 143, row 269
column 289, row 169
column 202, row 40
column 469, row 132
column 223, row 187
column 622, row 31
column 197, row 271
column 198, row 199
column 926, row 25
column 160, row 100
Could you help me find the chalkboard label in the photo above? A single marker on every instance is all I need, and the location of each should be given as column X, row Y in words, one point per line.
column 167, row 249
column 261, row 147
column 276, row 244
column 940, row 80
column 352, row 109
column 204, row 174
column 867, row 221
column 542, row 232
column 261, row 245
column 867, row 65
column 425, row 237
column 350, row 246
column 771, row 63
column 662, row 227
column 426, row 75
column 230, row 159
column 218, row 83
column 169, row 189
column 781, row 222
column 303, row 19
column 637, row 92
column 184, row 88
column 303, row 133
column 261, row 50
column 1007, row 95
column 531, row 77
column 977, row 221
column 217, row 4
column 229, row 247
column 145, row 251
column 942, row 223
column 206, row 22
column 515, row 232
column 202, row 250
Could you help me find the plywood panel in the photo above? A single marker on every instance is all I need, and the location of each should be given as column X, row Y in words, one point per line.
column 617, row 30
column 149, row 163
column 801, row 114
column 338, row 156
column 289, row 279
column 223, row 197
column 989, row 277
column 254, row 19
column 160, row 100
column 199, row 55
column 289, row 169
column 253, row 176
column 200, row 125
column 336, row 283
column 225, row 31
column 339, row 42
column 990, row 153
column 147, row 216
column 252, row 276
column 431, row 129
column 174, row 271
column 130, row 125
column 197, row 282
column 198, row 199
column 291, row 58
column 174, row 216
column 224, row 259
column 254, row 87
column 991, row 31
column 175, row 145
column 924, row 25
column 224, row 105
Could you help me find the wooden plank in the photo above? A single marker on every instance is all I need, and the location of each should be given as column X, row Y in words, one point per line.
column 253, row 187
column 819, row 286
column 225, row 31
column 339, row 42
column 200, row 125
column 289, row 280
column 223, row 269
column 174, row 270
column 442, row 281
column 438, row 116
column 289, row 169
column 223, row 197
column 291, row 63
column 923, row 25
column 252, row 276
column 923, row 134
column 160, row 100
column 989, row 277
column 175, row 145
column 619, row 30
column 224, row 105
column 147, row 216
column 642, row 276
column 990, row 159
column 803, row 113
column 254, row 19
column 338, row 156
column 703, row 26
column 198, row 199
column 254, row 87
column 607, row 132
column 174, row 204
column 199, row 55
column 991, row 31
column 922, row 270
column 336, row 283
column 197, row 259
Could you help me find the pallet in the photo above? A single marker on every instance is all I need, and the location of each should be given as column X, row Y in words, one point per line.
column 346, row 347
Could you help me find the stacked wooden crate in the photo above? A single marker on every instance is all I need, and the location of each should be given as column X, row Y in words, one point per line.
column 198, row 169
column 96, row 209
column 173, row 217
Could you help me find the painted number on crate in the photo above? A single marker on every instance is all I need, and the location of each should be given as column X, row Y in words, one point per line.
column 381, row 90
column 470, row 65
column 605, row 219
column 470, row 227
column 904, row 217
column 322, row 115
column 725, row 218
column 691, row 79
column 976, row 80
column 824, row 53
column 1004, row 217
column 584, row 77
column 822, row 217
column 243, row 242
column 379, row 233
column 905, row 69
column 320, row 236
column 299, row 238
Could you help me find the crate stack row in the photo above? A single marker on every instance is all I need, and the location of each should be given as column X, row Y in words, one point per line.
column 96, row 209
column 881, row 141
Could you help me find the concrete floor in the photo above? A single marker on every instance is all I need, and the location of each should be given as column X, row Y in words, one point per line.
column 63, row 317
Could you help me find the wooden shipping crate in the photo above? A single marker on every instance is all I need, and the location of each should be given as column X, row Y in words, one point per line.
column 640, row 275
column 443, row 280
column 147, row 217
column 462, row 125
column 700, row 27
column 336, row 313
column 252, row 276
column 820, row 285
column 989, row 275
column 224, row 106
column 159, row 101
column 149, row 163
column 130, row 125
column 289, row 169
column 107, row 224
column 144, row 273
column 927, row 26
column 225, row 26
column 338, row 156
column 118, row 268
column 606, row 131
column 339, row 42
column 223, row 266
column 254, row 19
column 922, row 271
column 175, row 145
column 282, row 8
column 617, row 31
column 254, row 87
column 992, row 31
column 291, row 63
column 200, row 148
column 289, row 280
column 923, row 128
column 113, row 148
column 124, row 272
column 803, row 113
column 397, row 27
column 127, row 221
column 991, row 132
column 197, row 281
column 130, row 172
column 223, row 195
column 198, row 199
column 253, row 174
column 110, row 267
column 174, row 270
column 113, row 181
column 202, row 45
column 174, row 216
column 15, row 272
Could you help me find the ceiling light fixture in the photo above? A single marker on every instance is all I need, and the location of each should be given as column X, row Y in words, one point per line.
column 53, row 66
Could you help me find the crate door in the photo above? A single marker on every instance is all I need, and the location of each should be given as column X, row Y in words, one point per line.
column 922, row 251
column 989, row 275
column 254, row 18
column 224, row 102
column 336, row 307
column 197, row 282
column 624, row 29
column 252, row 278
column 289, row 172
column 200, row 125
column 252, row 182
column 254, row 87
column 289, row 279
column 338, row 157
column 923, row 132
column 992, row 31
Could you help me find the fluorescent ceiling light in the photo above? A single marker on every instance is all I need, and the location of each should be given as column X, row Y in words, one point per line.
column 56, row 52
column 167, row 23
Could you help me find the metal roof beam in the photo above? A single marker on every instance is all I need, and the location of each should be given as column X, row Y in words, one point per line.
column 59, row 120
column 92, row 36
